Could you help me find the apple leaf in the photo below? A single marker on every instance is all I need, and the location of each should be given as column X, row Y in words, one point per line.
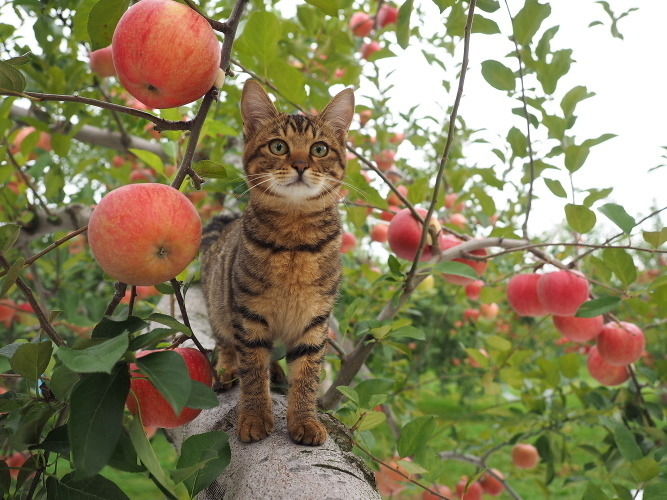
column 201, row 397
column 167, row 371
column 403, row 24
column 598, row 306
column 9, row 233
column 414, row 434
column 102, row 21
column 456, row 268
column 580, row 218
column 555, row 187
column 11, row 276
column 12, row 80
column 171, row 322
column 210, row 169
column 206, row 455
column 371, row 419
column 528, row 20
column 621, row 264
column 108, row 327
column 596, row 195
column 484, row 25
column 329, row 7
column 645, row 469
column 618, row 216
column 498, row 75
column 91, row 488
column 150, row 159
column 573, row 97
column 444, row 4
column 150, row 339
column 30, row 360
column 96, row 418
column 147, row 455
column 655, row 238
column 100, row 357
column 575, row 156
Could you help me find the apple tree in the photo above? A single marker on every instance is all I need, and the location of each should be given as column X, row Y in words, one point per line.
column 472, row 351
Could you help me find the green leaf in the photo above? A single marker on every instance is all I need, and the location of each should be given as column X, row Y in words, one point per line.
column 498, row 75
column 63, row 381
column 96, row 416
column 444, row 4
column 555, row 187
column 167, row 371
column 575, row 157
column 150, row 159
column 371, row 420
column 108, row 327
column 349, row 393
column 201, row 396
column 102, row 21
column 596, row 195
column 329, row 7
column 210, row 169
column 93, row 488
column 456, row 268
column 100, row 357
column 12, row 80
column 12, row 274
column 528, row 20
column 368, row 388
column 656, row 491
column 150, row 339
column 626, row 443
column 618, row 216
column 56, row 440
column 171, row 322
column 31, row 360
column 484, row 25
column 580, row 218
column 594, row 492
column 415, row 435
column 210, row 452
column 9, row 233
column 655, row 238
column 598, row 306
column 644, row 469
column 260, row 38
column 403, row 24
column 518, row 142
column 148, row 457
column 621, row 264
column 573, row 97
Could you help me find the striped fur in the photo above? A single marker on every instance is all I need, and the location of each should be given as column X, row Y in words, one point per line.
column 273, row 274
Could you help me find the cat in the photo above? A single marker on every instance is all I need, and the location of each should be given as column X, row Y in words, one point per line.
column 274, row 273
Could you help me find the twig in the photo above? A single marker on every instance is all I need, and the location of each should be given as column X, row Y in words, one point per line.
column 117, row 297
column 230, row 33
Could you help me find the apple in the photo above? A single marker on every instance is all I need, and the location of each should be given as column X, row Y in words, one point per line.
column 525, row 456
column 145, row 399
column 7, row 312
column 602, row 371
column 489, row 311
column 364, row 116
column 385, row 160
column 165, row 54
column 474, row 289
column 387, row 14
column 474, row 491
column 458, row 220
column 393, row 198
column 441, row 490
column 142, row 175
column 15, row 461
column 490, row 484
column 361, row 24
column 144, row 234
column 101, row 62
column 77, row 244
column 578, row 329
column 388, row 215
column 142, row 292
column 449, row 241
column 397, row 138
column 405, row 233
column 369, row 48
column 44, row 141
column 426, row 284
column 620, row 343
column 562, row 292
column 471, row 314
column 390, row 482
column 347, row 242
column 379, row 232
column 522, row 295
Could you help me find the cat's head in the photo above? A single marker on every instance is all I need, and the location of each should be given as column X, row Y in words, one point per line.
column 294, row 159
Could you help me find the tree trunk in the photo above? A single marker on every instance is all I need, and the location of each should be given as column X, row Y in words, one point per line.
column 275, row 467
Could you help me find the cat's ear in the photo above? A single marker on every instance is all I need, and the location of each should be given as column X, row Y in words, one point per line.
column 256, row 106
column 340, row 111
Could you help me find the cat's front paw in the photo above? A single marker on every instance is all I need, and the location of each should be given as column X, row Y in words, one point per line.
column 307, row 431
column 253, row 426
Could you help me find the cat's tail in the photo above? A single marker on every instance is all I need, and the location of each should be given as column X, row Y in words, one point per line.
column 215, row 228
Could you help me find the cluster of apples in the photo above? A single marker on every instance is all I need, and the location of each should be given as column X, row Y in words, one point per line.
column 362, row 25
column 184, row 73
column 560, row 294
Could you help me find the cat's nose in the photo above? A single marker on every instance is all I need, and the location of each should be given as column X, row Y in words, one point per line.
column 300, row 165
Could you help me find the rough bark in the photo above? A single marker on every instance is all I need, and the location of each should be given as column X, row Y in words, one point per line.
column 274, row 467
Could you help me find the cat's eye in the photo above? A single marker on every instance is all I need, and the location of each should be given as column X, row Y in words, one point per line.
column 278, row 147
column 319, row 149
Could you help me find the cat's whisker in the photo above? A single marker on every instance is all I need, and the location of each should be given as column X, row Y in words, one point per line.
column 255, row 185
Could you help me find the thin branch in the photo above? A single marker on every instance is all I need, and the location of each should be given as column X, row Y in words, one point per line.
column 215, row 24
column 230, row 33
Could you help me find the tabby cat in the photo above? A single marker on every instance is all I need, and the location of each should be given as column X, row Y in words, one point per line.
column 274, row 273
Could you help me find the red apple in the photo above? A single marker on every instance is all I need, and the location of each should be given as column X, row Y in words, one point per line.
column 603, row 372
column 393, row 198
column 441, row 489
column 471, row 314
column 361, row 24
column 449, row 241
column 347, row 242
column 474, row 491
column 166, row 54
column 405, row 232
column 15, row 461
column 144, row 234
column 458, row 220
column 474, row 289
column 364, row 116
column 490, row 484
column 142, row 292
column 7, row 312
column 154, row 408
column 522, row 295
column 101, row 62
column 397, row 138
column 389, row 481
column 379, row 232
column 369, row 48
column 44, row 141
column 385, row 159
column 388, row 215
column 562, row 292
column 489, row 311
column 578, row 329
column 525, row 456
column 620, row 343
column 387, row 14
